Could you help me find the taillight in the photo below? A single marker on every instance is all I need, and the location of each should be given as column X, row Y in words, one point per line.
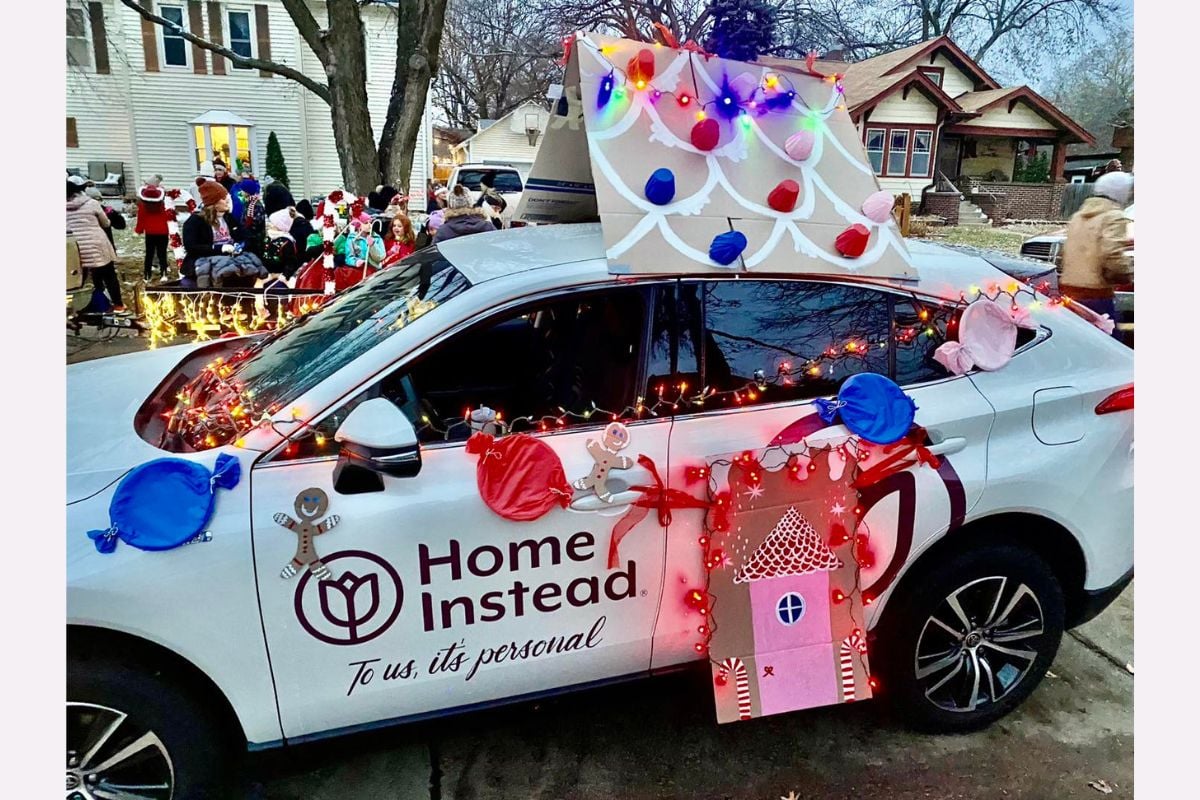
column 1117, row 401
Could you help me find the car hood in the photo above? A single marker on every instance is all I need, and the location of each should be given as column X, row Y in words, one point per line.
column 102, row 397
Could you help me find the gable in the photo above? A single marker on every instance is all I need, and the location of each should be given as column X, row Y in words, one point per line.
column 916, row 110
column 1022, row 115
column 954, row 80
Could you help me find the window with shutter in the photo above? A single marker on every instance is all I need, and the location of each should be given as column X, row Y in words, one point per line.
column 79, row 49
column 72, row 133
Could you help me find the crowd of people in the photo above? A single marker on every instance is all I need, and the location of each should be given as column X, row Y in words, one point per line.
column 244, row 234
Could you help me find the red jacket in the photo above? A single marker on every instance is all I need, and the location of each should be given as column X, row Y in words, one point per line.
column 151, row 218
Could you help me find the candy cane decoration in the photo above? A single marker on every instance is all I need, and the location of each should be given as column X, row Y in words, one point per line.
column 331, row 220
column 853, row 642
column 174, row 238
column 741, row 680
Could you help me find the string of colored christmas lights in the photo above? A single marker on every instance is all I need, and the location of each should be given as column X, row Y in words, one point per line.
column 211, row 314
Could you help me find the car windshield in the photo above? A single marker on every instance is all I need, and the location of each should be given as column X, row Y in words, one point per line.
column 228, row 398
column 502, row 180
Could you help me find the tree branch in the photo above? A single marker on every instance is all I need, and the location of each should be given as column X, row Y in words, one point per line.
column 319, row 89
column 307, row 25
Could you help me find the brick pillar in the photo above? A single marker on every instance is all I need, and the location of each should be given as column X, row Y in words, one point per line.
column 1058, row 162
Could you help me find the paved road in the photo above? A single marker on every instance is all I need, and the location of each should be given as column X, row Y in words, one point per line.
column 657, row 739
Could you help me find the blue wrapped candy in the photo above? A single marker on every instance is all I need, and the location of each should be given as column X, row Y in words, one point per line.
column 165, row 503
column 727, row 247
column 871, row 406
column 660, row 188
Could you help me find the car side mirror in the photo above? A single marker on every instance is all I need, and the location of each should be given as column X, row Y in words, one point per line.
column 376, row 439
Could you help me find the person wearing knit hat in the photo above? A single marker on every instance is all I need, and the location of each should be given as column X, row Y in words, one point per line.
column 281, row 253
column 221, row 174
column 461, row 217
column 1094, row 260
column 151, row 222
column 211, row 238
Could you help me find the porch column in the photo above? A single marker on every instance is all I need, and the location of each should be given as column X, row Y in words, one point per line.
column 1058, row 161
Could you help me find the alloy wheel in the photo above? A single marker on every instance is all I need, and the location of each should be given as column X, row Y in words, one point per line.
column 110, row 757
column 979, row 644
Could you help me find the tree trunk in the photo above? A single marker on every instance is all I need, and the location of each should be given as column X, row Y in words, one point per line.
column 347, row 72
column 418, row 41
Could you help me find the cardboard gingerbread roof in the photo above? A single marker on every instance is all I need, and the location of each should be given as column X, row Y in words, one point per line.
column 672, row 148
column 791, row 548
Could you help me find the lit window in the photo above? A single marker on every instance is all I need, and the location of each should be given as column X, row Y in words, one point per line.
column 875, row 137
column 897, row 157
column 79, row 52
column 240, row 36
column 173, row 44
column 230, row 143
column 790, row 608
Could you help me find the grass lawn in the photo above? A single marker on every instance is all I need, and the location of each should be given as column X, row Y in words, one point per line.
column 1005, row 240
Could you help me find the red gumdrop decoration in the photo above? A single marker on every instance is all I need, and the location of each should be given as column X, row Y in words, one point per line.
column 783, row 197
column 852, row 242
column 721, row 679
column 705, row 134
column 641, row 66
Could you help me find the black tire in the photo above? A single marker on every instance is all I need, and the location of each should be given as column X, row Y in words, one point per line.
column 972, row 579
column 197, row 744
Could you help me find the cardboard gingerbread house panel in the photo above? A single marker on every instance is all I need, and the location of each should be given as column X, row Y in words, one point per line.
column 683, row 147
column 787, row 608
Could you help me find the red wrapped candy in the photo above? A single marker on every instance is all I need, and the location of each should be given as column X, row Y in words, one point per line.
column 519, row 477
column 705, row 134
column 783, row 197
column 852, row 242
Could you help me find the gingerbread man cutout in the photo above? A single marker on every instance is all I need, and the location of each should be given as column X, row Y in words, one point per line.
column 311, row 504
column 604, row 453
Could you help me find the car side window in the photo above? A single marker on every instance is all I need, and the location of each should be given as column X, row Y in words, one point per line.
column 918, row 330
column 749, row 341
column 569, row 358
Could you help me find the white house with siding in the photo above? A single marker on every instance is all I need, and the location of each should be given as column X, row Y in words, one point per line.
column 513, row 139
column 140, row 95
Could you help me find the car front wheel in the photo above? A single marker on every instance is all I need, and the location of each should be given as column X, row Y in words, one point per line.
column 131, row 733
column 968, row 640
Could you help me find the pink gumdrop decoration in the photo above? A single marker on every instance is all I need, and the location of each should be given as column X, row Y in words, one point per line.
column 878, row 207
column 705, row 134
column 783, row 197
column 799, row 145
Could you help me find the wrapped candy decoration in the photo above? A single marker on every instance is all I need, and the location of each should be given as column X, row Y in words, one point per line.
column 165, row 503
column 519, row 477
column 987, row 337
column 852, row 242
column 705, row 134
column 799, row 145
column 878, row 207
column 871, row 406
column 783, row 197
column 660, row 188
column 640, row 68
column 727, row 247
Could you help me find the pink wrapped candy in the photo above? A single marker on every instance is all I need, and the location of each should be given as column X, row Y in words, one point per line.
column 799, row 145
column 878, row 207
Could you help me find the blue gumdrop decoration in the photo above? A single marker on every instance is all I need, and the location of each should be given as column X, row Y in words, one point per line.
column 727, row 247
column 827, row 409
column 875, row 408
column 660, row 188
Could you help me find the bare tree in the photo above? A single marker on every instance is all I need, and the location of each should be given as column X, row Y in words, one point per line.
column 495, row 56
column 1096, row 88
column 340, row 47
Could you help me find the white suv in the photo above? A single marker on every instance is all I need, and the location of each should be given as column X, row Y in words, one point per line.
column 506, row 180
column 434, row 604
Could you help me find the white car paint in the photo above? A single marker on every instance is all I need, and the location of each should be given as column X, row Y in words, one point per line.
column 223, row 606
column 513, row 199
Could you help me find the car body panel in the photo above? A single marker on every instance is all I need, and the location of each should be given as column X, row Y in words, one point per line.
column 203, row 600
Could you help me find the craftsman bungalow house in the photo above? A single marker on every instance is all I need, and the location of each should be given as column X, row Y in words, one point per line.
column 929, row 114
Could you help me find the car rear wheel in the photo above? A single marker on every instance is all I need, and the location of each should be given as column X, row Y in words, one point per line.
column 132, row 734
column 966, row 641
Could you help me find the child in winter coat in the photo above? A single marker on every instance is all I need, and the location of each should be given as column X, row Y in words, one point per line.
column 361, row 252
column 152, row 223
column 400, row 240
column 280, row 253
column 461, row 218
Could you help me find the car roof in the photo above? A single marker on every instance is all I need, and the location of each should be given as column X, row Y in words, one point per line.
column 483, row 257
column 493, row 167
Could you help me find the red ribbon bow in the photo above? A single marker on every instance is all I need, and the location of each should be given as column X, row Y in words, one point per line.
column 657, row 497
column 909, row 451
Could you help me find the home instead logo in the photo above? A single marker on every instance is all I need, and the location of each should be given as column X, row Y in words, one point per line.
column 356, row 604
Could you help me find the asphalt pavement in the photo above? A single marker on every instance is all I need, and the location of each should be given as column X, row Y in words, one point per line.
column 657, row 738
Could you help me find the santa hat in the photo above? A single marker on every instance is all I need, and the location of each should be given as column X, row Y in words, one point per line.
column 150, row 194
column 212, row 192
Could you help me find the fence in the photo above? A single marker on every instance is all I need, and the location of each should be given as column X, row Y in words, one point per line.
column 1072, row 198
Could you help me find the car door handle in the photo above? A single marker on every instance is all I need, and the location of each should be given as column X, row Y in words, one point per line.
column 947, row 446
column 636, row 476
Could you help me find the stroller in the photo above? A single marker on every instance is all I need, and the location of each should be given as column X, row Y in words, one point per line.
column 88, row 307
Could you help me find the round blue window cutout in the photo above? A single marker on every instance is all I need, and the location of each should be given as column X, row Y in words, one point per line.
column 790, row 608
